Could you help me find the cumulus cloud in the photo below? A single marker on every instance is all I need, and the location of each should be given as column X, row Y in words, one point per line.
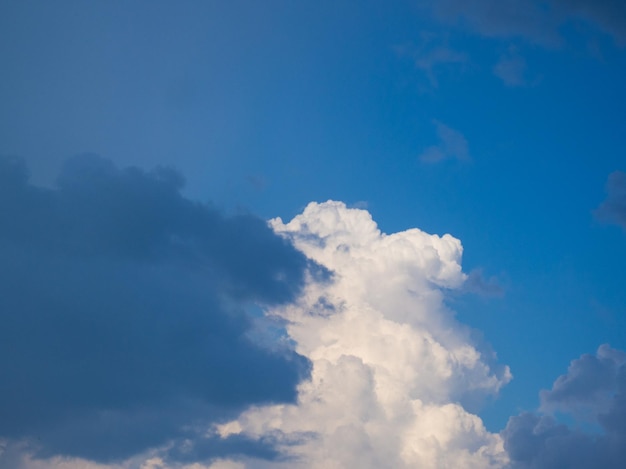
column 391, row 367
column 122, row 306
column 535, row 20
column 452, row 145
column 592, row 392
column 590, row 381
column 613, row 209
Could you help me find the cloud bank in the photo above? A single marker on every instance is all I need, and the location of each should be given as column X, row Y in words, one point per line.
column 126, row 345
column 123, row 318
column 391, row 367
column 592, row 392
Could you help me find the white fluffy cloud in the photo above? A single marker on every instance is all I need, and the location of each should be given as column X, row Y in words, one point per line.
column 390, row 363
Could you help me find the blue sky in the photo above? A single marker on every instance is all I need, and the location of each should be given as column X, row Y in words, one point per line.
column 500, row 123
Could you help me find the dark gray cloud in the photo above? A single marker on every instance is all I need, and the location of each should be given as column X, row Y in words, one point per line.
column 590, row 381
column 536, row 20
column 122, row 310
column 613, row 209
column 593, row 392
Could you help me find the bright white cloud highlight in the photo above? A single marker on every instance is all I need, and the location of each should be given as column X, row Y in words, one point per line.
column 390, row 362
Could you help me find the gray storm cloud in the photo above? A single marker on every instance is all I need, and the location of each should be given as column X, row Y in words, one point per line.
column 122, row 306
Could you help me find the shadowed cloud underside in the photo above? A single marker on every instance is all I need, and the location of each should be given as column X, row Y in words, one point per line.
column 122, row 307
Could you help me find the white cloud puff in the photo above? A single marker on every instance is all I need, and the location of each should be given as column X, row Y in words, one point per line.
column 390, row 363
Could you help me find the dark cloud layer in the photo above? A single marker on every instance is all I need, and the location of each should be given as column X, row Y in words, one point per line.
column 613, row 209
column 593, row 392
column 535, row 20
column 121, row 304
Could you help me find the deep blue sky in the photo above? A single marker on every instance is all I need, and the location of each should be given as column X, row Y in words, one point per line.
column 266, row 106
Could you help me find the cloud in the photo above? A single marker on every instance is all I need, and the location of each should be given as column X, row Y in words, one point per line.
column 392, row 372
column 391, row 367
column 613, row 209
column 594, row 392
column 436, row 58
column 511, row 69
column 122, row 306
column 477, row 283
column 432, row 56
column 608, row 15
column 535, row 20
column 452, row 145
column 499, row 18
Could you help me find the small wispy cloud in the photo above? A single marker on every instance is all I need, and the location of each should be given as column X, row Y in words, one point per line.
column 433, row 56
column 511, row 68
column 537, row 21
column 613, row 209
column 257, row 181
column 477, row 283
column 592, row 391
column 452, row 145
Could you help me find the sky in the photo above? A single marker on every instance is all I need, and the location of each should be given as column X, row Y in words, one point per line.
column 325, row 234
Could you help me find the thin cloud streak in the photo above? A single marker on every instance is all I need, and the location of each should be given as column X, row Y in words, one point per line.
column 536, row 21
